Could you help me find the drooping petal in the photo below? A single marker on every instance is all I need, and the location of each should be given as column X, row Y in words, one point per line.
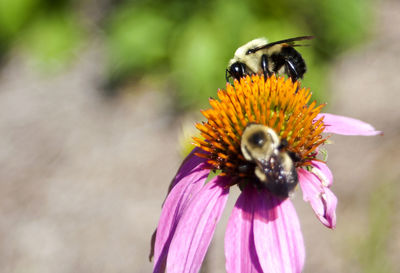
column 177, row 200
column 277, row 235
column 188, row 164
column 323, row 172
column 196, row 227
column 346, row 126
column 240, row 251
column 321, row 198
column 188, row 167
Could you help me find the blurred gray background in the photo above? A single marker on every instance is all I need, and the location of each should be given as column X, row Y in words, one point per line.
column 98, row 100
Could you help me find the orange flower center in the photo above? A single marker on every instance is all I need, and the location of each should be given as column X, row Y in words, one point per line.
column 276, row 103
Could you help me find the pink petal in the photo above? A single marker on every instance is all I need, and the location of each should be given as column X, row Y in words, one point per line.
column 240, row 252
column 188, row 164
column 277, row 235
column 346, row 126
column 321, row 198
column 322, row 171
column 196, row 227
column 176, row 202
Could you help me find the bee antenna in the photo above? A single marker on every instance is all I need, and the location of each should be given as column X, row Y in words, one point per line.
column 227, row 75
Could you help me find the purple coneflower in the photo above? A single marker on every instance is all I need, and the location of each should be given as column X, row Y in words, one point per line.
column 263, row 232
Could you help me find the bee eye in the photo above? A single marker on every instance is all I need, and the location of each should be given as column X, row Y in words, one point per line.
column 237, row 70
column 257, row 139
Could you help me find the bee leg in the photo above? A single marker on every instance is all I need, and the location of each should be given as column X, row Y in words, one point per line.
column 294, row 156
column 291, row 70
column 264, row 66
column 284, row 143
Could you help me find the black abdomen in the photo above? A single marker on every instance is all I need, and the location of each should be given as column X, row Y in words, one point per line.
column 291, row 60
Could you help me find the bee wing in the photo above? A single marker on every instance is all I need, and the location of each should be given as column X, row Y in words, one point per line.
column 290, row 42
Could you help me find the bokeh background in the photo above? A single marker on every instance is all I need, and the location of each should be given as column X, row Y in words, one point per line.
column 98, row 99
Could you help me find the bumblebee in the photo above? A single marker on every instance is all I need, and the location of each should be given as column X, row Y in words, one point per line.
column 259, row 56
column 274, row 167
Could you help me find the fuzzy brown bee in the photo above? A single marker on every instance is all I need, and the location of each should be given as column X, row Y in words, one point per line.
column 258, row 56
column 274, row 166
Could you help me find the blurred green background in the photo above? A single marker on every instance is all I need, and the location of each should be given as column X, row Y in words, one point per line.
column 95, row 142
column 181, row 44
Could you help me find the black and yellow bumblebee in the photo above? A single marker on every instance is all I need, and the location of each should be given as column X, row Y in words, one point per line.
column 258, row 56
column 274, row 166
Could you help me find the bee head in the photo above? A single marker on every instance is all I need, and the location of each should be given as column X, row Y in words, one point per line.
column 237, row 70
